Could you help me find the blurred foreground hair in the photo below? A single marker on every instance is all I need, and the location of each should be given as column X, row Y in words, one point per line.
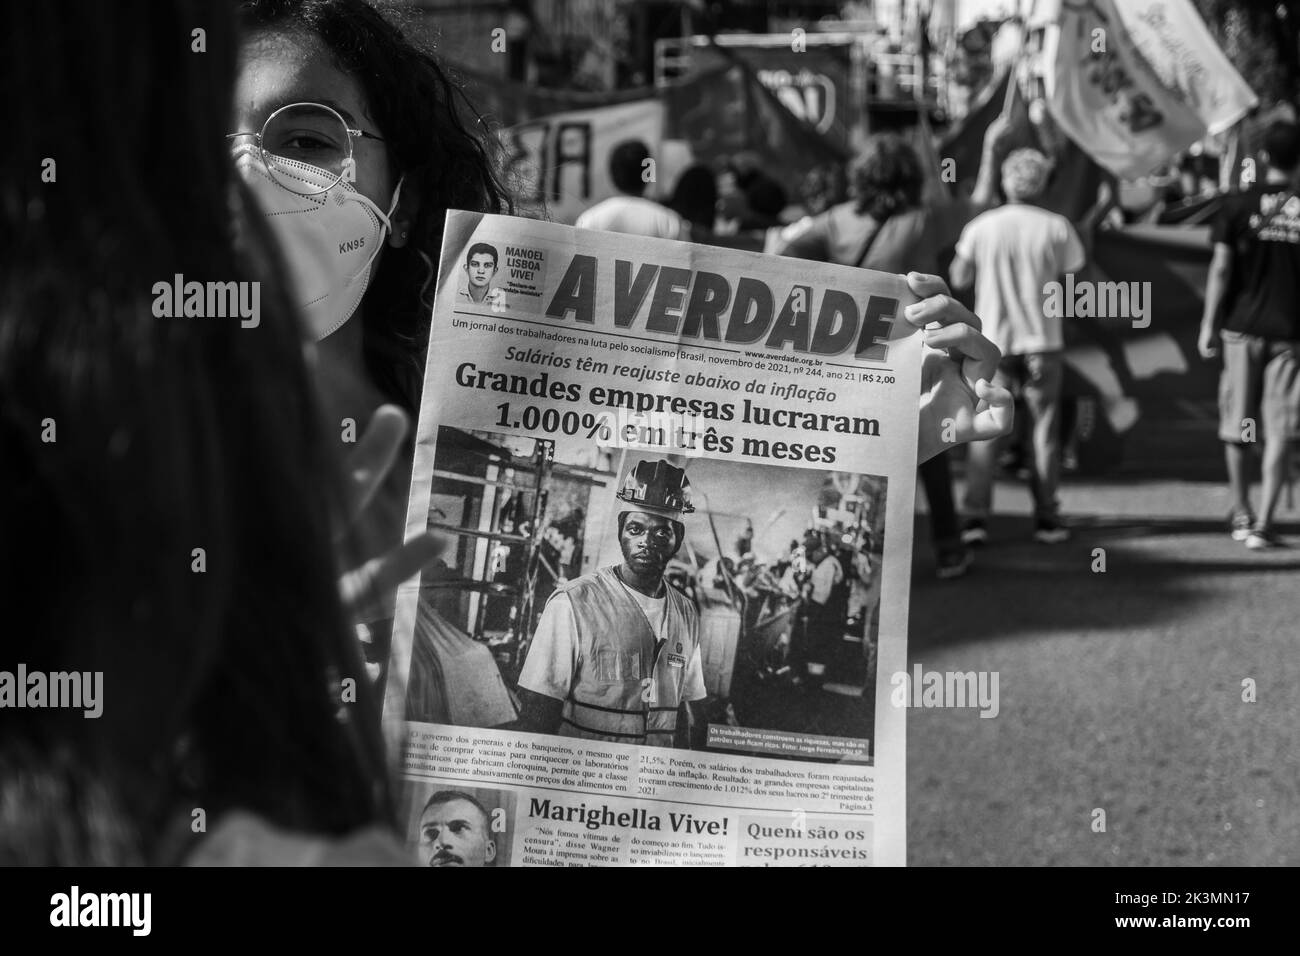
column 129, row 442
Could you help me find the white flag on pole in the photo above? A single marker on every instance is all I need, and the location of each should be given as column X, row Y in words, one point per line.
column 1134, row 88
column 1183, row 54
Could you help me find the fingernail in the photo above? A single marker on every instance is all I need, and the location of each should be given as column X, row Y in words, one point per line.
column 915, row 309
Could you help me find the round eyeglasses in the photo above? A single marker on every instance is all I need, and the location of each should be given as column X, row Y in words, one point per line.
column 311, row 134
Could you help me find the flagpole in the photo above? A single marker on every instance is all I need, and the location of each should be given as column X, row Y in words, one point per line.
column 925, row 133
column 1014, row 68
column 1011, row 88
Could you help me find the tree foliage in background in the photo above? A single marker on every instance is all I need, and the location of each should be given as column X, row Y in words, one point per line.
column 1262, row 39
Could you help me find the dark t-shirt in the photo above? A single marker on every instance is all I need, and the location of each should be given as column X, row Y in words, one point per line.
column 1262, row 225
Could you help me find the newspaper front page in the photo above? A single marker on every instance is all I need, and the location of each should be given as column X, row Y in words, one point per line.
column 674, row 487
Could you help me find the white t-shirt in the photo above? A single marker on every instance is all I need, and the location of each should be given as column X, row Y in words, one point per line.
column 635, row 216
column 552, row 664
column 1016, row 250
column 654, row 609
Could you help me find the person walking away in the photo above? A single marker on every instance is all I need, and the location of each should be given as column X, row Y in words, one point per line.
column 1252, row 306
column 629, row 212
column 1009, row 254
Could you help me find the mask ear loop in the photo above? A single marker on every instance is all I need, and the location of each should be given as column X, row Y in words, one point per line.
column 385, row 219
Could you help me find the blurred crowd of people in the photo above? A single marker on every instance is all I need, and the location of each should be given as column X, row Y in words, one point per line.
column 1001, row 246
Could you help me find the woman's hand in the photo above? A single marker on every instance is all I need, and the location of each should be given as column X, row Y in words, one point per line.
column 367, row 591
column 959, row 403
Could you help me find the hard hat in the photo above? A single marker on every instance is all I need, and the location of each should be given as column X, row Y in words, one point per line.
column 658, row 488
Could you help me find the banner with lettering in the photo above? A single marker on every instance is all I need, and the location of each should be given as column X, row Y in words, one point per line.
column 560, row 161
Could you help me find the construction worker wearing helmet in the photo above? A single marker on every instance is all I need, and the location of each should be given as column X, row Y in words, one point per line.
column 616, row 653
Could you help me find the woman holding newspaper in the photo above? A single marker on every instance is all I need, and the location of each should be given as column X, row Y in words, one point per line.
column 392, row 145
column 332, row 101
column 308, row 781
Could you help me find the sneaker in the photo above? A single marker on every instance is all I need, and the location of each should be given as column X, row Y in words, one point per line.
column 1051, row 531
column 952, row 562
column 1263, row 539
column 1240, row 524
column 974, row 531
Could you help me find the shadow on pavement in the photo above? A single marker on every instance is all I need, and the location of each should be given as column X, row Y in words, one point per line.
column 1019, row 587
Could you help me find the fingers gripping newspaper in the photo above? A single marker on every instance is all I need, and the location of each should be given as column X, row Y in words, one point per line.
column 673, row 486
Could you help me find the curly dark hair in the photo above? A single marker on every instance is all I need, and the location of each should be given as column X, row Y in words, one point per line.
column 886, row 177
column 420, row 113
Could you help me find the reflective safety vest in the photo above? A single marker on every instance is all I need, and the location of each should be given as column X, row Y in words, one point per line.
column 629, row 686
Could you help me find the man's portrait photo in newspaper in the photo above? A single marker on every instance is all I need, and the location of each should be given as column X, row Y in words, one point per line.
column 453, row 825
column 620, row 596
column 481, row 265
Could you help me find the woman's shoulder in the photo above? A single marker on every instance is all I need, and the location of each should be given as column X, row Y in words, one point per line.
column 843, row 214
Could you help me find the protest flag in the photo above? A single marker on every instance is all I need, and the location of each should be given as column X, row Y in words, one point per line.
column 1134, row 88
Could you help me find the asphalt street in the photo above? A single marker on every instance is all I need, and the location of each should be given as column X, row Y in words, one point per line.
column 1120, row 691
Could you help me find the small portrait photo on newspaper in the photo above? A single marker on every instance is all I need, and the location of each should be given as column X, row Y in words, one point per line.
column 493, row 275
column 624, row 596
column 479, row 284
column 453, row 825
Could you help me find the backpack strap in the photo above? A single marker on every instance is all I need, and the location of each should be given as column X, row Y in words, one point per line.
column 870, row 241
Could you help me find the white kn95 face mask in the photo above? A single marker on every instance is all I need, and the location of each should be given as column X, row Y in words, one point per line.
column 329, row 240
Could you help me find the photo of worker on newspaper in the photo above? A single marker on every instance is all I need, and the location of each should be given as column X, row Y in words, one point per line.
column 628, row 597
